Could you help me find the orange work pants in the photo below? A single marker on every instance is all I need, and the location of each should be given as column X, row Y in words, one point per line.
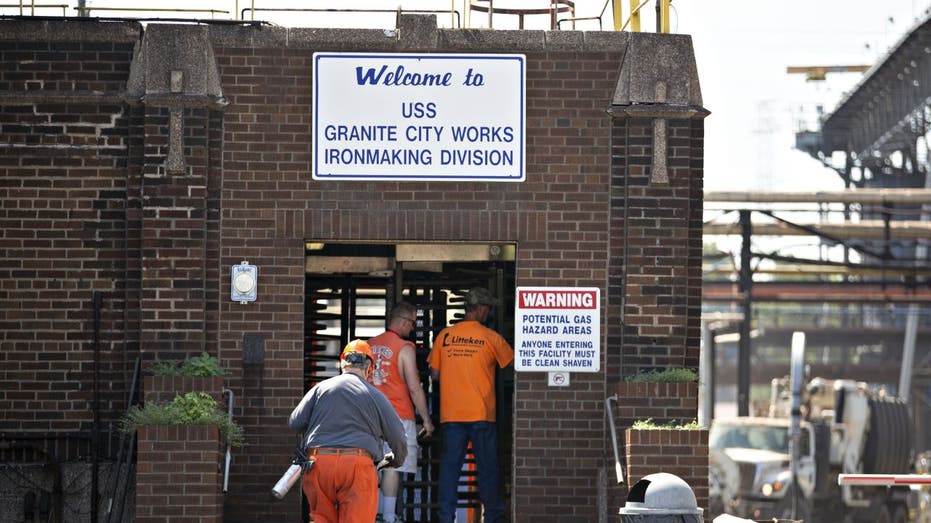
column 341, row 489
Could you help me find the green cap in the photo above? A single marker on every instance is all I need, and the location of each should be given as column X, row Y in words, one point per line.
column 480, row 296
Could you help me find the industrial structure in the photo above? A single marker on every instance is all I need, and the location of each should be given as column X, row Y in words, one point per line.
column 866, row 311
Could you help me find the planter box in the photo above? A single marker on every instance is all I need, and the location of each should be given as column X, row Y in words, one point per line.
column 178, row 474
column 680, row 452
column 664, row 403
column 178, row 467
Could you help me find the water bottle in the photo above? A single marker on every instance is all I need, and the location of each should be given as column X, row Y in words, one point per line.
column 288, row 479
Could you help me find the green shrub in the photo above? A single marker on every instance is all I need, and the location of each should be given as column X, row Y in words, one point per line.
column 648, row 424
column 204, row 365
column 674, row 375
column 193, row 408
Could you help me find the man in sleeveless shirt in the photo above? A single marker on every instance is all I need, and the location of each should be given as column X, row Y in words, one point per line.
column 397, row 378
column 464, row 358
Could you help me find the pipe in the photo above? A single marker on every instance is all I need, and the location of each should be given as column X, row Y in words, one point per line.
column 705, row 380
column 129, row 459
column 119, row 457
column 796, row 370
column 229, row 413
column 746, row 290
column 95, row 437
column 911, row 324
column 618, row 468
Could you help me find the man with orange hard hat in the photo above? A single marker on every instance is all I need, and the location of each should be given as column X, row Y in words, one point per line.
column 344, row 420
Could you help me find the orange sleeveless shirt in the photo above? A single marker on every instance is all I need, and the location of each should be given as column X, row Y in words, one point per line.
column 387, row 375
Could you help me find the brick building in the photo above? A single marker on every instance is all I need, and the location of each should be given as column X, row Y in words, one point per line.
column 140, row 164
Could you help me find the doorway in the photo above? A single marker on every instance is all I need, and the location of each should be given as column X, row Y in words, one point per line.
column 349, row 287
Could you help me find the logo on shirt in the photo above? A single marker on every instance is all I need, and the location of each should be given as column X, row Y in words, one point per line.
column 383, row 355
column 461, row 340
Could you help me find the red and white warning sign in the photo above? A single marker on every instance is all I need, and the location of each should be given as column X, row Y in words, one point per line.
column 557, row 329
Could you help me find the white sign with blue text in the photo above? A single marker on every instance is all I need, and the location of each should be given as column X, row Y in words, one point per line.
column 452, row 117
column 557, row 329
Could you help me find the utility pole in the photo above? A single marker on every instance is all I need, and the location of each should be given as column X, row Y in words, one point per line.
column 746, row 288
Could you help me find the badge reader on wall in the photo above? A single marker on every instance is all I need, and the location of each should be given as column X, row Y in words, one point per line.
column 244, row 282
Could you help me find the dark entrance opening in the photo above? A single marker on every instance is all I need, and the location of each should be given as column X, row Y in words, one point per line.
column 349, row 287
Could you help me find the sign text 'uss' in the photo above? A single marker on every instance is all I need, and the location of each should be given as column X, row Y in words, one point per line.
column 386, row 116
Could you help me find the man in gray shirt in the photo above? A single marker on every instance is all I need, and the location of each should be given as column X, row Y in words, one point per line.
column 344, row 420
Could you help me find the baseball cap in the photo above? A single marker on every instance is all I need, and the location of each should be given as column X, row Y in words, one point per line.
column 480, row 296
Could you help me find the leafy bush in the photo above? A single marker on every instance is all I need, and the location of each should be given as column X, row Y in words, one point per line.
column 193, row 408
column 648, row 424
column 204, row 365
column 674, row 375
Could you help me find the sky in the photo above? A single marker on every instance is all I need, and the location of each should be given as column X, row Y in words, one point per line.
column 742, row 49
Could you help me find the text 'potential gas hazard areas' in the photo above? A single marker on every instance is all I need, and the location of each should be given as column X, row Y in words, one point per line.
column 557, row 329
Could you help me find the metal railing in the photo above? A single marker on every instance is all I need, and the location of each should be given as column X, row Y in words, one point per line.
column 553, row 10
column 455, row 16
column 561, row 13
column 85, row 11
column 32, row 6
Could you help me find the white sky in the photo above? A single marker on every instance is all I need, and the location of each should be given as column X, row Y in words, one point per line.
column 743, row 48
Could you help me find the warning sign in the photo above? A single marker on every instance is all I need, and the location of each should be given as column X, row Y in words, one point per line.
column 557, row 329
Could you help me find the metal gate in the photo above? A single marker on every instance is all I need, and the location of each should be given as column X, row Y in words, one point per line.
column 348, row 290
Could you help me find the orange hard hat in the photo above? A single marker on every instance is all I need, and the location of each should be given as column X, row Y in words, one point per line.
column 359, row 346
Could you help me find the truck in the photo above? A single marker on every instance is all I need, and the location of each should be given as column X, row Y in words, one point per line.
column 843, row 427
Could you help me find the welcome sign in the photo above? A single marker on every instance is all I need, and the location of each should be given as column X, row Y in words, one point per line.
column 454, row 117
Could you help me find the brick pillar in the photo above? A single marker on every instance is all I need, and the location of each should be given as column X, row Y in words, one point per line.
column 663, row 403
column 173, row 241
column 180, row 93
column 655, row 261
column 680, row 452
column 178, row 474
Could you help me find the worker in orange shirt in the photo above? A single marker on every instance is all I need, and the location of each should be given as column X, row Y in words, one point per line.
column 464, row 358
column 397, row 378
column 344, row 420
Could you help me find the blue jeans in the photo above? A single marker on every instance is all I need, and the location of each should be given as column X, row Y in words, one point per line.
column 456, row 437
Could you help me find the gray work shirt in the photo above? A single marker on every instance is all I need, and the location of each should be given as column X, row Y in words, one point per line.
column 347, row 411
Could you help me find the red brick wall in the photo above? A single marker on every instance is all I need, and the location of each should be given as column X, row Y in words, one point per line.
column 680, row 452
column 66, row 140
column 655, row 228
column 663, row 404
column 177, row 474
